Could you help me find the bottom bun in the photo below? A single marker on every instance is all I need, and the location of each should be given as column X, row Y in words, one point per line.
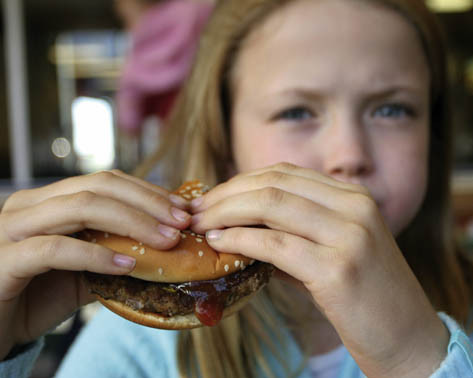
column 175, row 322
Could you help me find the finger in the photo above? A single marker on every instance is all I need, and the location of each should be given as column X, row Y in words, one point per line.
column 138, row 181
column 145, row 196
column 74, row 212
column 276, row 209
column 312, row 174
column 176, row 200
column 34, row 256
column 292, row 254
column 329, row 196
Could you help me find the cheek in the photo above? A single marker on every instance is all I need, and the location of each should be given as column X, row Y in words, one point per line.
column 257, row 147
column 405, row 184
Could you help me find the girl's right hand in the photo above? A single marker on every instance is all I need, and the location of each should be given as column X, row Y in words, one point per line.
column 39, row 263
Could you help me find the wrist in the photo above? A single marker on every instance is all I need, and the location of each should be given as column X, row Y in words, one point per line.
column 422, row 354
column 416, row 350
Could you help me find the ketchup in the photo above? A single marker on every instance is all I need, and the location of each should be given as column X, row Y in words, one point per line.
column 209, row 312
column 209, row 297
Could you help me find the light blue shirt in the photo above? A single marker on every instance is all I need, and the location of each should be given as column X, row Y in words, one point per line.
column 110, row 346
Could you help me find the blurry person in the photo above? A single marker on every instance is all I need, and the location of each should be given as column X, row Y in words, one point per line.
column 164, row 37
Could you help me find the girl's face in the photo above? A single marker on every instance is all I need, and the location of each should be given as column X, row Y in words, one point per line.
column 341, row 87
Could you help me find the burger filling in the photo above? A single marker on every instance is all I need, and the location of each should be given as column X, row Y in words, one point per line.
column 206, row 299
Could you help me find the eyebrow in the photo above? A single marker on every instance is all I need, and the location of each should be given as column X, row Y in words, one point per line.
column 377, row 93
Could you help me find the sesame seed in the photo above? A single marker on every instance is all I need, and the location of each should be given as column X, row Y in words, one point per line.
column 183, row 235
column 192, row 233
column 237, row 263
column 141, row 243
column 160, row 271
column 252, row 262
column 186, row 196
column 188, row 188
column 142, row 251
column 242, row 265
column 182, row 191
column 198, row 240
column 200, row 185
column 106, row 235
column 201, row 253
column 197, row 195
column 226, row 267
column 134, row 248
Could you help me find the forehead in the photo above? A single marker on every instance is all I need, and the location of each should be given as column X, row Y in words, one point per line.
column 352, row 38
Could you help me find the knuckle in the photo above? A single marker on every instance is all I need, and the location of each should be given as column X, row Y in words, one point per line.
column 272, row 177
column 7, row 232
column 153, row 197
column 13, row 200
column 47, row 247
column 52, row 245
column 357, row 238
column 365, row 207
column 363, row 190
column 117, row 172
column 284, row 166
column 275, row 242
column 103, row 177
column 345, row 273
column 83, row 198
column 271, row 196
column 93, row 255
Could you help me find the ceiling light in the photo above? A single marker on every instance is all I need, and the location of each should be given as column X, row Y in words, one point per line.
column 450, row 5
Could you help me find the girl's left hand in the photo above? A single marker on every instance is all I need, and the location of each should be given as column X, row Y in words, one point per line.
column 330, row 236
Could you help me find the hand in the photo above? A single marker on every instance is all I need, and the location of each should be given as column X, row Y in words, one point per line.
column 39, row 283
column 331, row 237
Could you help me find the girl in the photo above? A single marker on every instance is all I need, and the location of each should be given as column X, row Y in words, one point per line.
column 333, row 114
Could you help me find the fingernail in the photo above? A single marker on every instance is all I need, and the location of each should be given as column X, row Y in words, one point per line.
column 196, row 202
column 179, row 214
column 196, row 219
column 177, row 200
column 124, row 261
column 167, row 231
column 214, row 235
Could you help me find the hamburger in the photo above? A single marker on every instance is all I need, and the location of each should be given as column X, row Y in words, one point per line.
column 188, row 286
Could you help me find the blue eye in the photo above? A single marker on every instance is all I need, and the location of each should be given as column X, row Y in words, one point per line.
column 393, row 111
column 296, row 114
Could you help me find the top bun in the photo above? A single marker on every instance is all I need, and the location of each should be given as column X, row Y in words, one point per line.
column 192, row 259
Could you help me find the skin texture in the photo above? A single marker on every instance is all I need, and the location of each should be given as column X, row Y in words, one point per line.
column 39, row 285
column 331, row 142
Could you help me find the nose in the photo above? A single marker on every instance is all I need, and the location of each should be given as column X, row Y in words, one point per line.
column 347, row 151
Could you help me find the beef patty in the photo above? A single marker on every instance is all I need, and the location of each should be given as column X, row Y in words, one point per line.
column 169, row 299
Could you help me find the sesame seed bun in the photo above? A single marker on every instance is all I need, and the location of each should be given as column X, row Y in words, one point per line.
column 192, row 259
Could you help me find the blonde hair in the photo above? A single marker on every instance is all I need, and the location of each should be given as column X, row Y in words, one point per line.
column 197, row 146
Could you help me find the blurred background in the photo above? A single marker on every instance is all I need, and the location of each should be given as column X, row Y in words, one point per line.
column 86, row 84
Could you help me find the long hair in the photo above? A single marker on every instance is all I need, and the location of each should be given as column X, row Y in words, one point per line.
column 197, row 146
